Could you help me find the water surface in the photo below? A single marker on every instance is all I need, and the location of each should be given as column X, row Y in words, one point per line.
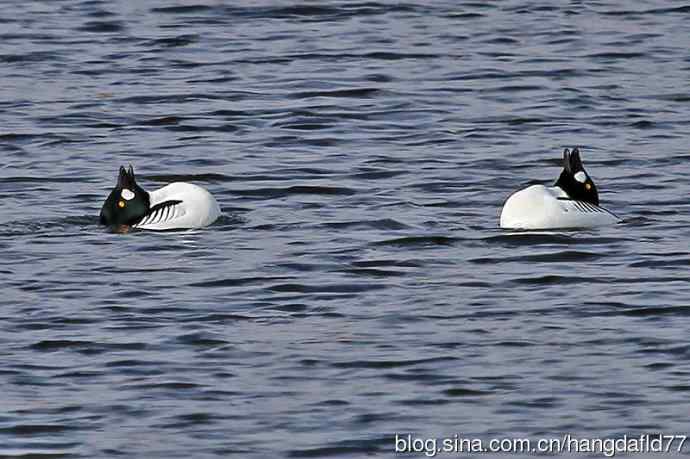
column 357, row 285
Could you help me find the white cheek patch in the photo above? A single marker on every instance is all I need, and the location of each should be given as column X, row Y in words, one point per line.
column 127, row 194
column 581, row 177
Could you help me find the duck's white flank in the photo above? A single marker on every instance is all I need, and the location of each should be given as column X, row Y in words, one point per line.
column 180, row 206
column 539, row 207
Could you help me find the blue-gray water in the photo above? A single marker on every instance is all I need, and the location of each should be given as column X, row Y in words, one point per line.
column 357, row 286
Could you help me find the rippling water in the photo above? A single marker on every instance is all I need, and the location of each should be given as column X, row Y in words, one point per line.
column 357, row 285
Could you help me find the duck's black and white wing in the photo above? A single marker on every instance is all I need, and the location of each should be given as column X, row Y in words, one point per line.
column 180, row 206
column 586, row 209
column 162, row 215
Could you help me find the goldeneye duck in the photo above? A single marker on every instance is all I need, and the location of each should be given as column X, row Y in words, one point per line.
column 573, row 202
column 175, row 206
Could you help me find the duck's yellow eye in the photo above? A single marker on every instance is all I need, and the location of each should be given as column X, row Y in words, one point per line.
column 120, row 204
column 588, row 186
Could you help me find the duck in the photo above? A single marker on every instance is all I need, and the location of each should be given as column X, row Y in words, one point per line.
column 175, row 206
column 573, row 202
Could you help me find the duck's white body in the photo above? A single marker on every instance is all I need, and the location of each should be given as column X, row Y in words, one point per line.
column 539, row 207
column 180, row 206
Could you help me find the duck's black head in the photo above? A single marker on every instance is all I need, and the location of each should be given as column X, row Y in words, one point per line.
column 575, row 181
column 127, row 203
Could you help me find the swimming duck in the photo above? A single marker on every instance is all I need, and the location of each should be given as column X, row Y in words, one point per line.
column 175, row 206
column 573, row 202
